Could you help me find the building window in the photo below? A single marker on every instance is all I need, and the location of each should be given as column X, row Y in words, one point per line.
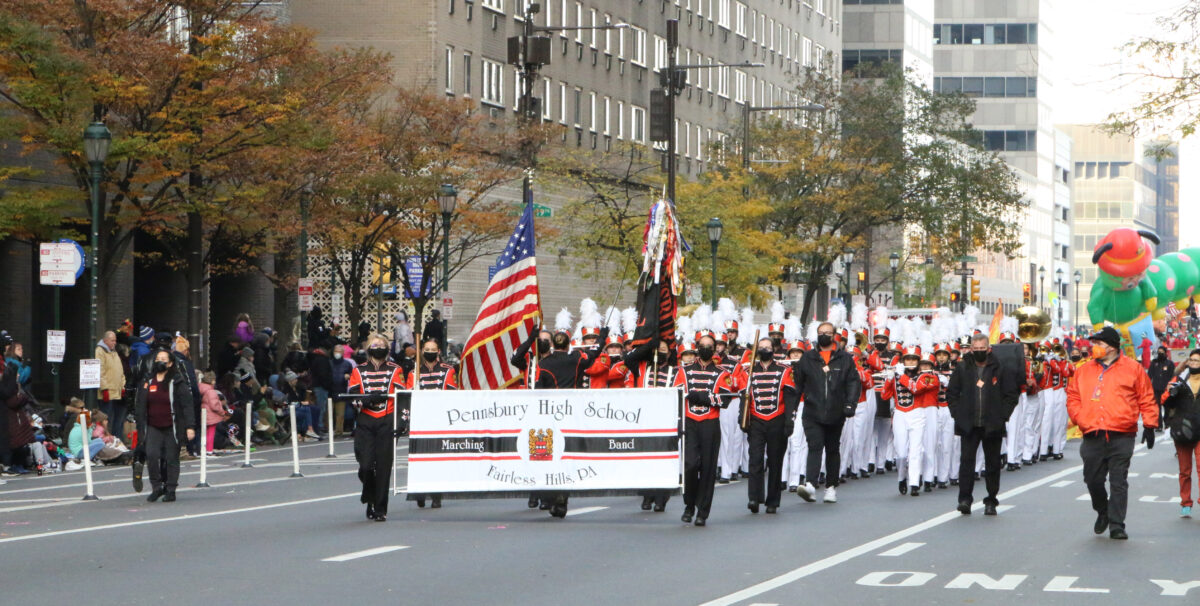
column 518, row 90
column 467, row 74
column 450, row 69
column 853, row 58
column 740, row 21
column 576, row 115
column 493, row 82
column 593, row 23
column 739, row 86
column 723, row 81
column 986, row 34
column 562, row 102
column 620, row 120
column 723, row 13
column 546, row 99
column 753, row 24
column 638, row 124
column 979, row 87
column 605, row 116
column 592, row 112
column 808, row 52
column 579, row 22
column 496, row 5
column 1010, row 140
column 639, row 46
column 660, row 53
column 608, row 35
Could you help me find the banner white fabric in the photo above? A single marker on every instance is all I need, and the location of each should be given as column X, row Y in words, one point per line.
column 501, row 443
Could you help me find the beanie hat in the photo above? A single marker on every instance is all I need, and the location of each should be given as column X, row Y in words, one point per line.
column 146, row 333
column 289, row 376
column 1108, row 335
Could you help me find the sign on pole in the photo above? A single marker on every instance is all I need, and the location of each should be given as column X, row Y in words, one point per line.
column 448, row 308
column 56, row 345
column 59, row 263
column 416, row 275
column 89, row 373
column 304, row 292
column 964, row 271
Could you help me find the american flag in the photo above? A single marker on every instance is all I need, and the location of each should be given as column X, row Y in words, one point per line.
column 511, row 310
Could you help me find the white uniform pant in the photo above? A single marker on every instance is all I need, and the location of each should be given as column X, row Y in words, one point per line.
column 1054, row 421
column 1012, row 443
column 955, row 453
column 936, row 446
column 883, row 442
column 796, row 458
column 908, row 438
column 945, row 442
column 1032, row 427
column 862, row 447
column 729, row 458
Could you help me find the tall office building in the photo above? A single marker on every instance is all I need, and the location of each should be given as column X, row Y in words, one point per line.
column 996, row 52
column 597, row 85
column 1119, row 184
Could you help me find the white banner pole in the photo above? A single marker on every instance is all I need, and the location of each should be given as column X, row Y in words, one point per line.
column 203, row 449
column 295, row 448
column 329, row 427
column 395, row 439
column 246, row 432
column 85, row 421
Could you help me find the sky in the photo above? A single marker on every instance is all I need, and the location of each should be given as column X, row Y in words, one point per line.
column 1087, row 57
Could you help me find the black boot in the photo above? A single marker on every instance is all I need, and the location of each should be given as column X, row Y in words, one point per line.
column 647, row 502
column 688, row 512
column 533, row 503
column 155, row 495
column 903, row 487
column 421, row 502
column 437, row 503
column 169, row 497
column 370, row 511
column 752, row 506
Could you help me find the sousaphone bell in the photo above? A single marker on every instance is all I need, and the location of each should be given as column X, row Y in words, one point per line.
column 1033, row 324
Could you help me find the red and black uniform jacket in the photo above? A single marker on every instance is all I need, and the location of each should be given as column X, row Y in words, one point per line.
column 773, row 393
column 913, row 391
column 441, row 376
column 366, row 378
column 703, row 386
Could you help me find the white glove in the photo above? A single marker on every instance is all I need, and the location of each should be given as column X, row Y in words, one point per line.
column 899, row 369
column 944, row 380
column 889, row 374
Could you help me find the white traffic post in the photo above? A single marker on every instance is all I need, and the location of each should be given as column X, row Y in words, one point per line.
column 247, row 431
column 329, row 427
column 203, row 450
column 85, row 420
column 295, row 448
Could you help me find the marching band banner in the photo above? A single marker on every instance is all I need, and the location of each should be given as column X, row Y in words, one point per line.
column 512, row 442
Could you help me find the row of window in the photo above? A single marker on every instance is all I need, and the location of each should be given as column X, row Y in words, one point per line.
column 985, row 33
column 1010, row 140
column 986, row 86
column 1103, row 210
column 852, row 58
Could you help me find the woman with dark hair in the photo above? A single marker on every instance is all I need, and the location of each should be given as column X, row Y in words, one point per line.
column 164, row 421
column 1182, row 399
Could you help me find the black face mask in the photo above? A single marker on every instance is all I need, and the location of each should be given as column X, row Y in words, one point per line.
column 429, row 356
column 980, row 356
column 616, row 357
column 160, row 367
column 777, row 342
column 378, row 353
column 824, row 340
column 765, row 354
column 1162, row 355
column 881, row 347
column 543, row 345
column 1076, row 358
column 705, row 353
column 910, row 370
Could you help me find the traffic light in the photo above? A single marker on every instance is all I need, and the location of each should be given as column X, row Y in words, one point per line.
column 660, row 123
column 862, row 282
column 1026, row 293
column 954, row 297
column 974, row 290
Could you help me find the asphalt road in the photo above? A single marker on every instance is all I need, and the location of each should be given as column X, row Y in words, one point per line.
column 257, row 535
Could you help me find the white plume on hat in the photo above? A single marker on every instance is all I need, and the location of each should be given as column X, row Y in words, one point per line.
column 629, row 317
column 909, row 333
column 589, row 315
column 970, row 319
column 810, row 333
column 858, row 317
column 896, row 327
column 791, row 329
column 1009, row 324
column 612, row 319
column 746, row 332
column 777, row 312
column 728, row 308
column 717, row 321
column 683, row 329
column 924, row 337
column 837, row 316
column 562, row 321
column 944, row 325
column 879, row 317
column 702, row 318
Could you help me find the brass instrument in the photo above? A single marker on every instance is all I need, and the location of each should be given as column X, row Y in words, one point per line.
column 1033, row 324
column 862, row 340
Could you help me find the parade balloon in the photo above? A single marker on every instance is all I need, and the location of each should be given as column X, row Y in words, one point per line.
column 1187, row 277
column 1163, row 278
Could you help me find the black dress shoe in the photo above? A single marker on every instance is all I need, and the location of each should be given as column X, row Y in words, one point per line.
column 870, row 468
column 1058, row 456
column 954, row 482
column 646, row 503
column 686, row 518
column 723, row 481
column 903, row 487
column 421, row 502
column 915, row 491
column 964, row 507
column 928, row 487
column 863, row 474
column 1101, row 524
column 1042, row 458
column 752, row 506
column 169, row 497
column 155, row 495
column 370, row 511
column 437, row 503
column 379, row 517
column 533, row 503
column 989, row 509
column 545, row 504
column 889, row 465
column 1118, row 534
column 701, row 521
column 942, row 486
column 772, row 509
column 559, row 511
column 138, row 467
column 659, row 508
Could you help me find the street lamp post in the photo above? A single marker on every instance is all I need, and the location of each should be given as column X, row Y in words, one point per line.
column 715, row 227
column 305, row 200
column 847, row 264
column 96, row 141
column 894, row 263
column 1058, row 291
column 447, row 199
column 1078, row 277
column 1041, row 297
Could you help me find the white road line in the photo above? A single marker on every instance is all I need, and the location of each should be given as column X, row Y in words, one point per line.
column 77, row 500
column 193, row 516
column 871, row 546
column 1154, row 499
column 900, row 550
column 365, row 553
column 1084, row 497
column 583, row 510
column 1062, row 483
column 1003, row 508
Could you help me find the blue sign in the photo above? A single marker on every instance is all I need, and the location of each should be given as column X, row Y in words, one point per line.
column 83, row 257
column 416, row 274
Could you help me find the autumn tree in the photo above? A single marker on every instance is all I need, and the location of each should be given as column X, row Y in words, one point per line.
column 1163, row 66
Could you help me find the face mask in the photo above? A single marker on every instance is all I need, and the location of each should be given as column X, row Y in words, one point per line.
column 824, row 340
column 765, row 354
column 705, row 353
column 912, row 370
column 616, row 356
column 160, row 367
column 980, row 356
column 429, row 356
column 1076, row 358
column 881, row 347
column 1098, row 351
column 777, row 342
column 378, row 353
column 337, row 355
column 543, row 346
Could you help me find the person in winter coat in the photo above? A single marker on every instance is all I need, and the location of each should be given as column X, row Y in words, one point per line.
column 981, row 397
column 140, row 347
column 318, row 333
column 163, row 408
column 264, row 355
column 215, row 412
column 340, row 369
column 320, row 376
column 827, row 379
column 1182, row 398
column 182, row 352
column 402, row 334
column 1161, row 372
column 14, row 354
column 112, row 381
column 244, row 328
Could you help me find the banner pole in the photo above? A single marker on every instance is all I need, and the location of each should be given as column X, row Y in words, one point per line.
column 85, row 420
column 329, row 427
column 295, row 449
column 246, row 433
column 395, row 440
column 203, row 449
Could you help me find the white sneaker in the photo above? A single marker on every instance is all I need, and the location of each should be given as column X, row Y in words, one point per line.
column 73, row 465
column 807, row 492
column 830, row 495
column 312, row 434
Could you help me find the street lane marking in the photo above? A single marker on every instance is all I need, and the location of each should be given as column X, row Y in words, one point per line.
column 583, row 510
column 871, row 546
column 1003, row 508
column 365, row 553
column 1062, row 483
column 1154, row 499
column 1084, row 497
column 191, row 516
column 900, row 550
